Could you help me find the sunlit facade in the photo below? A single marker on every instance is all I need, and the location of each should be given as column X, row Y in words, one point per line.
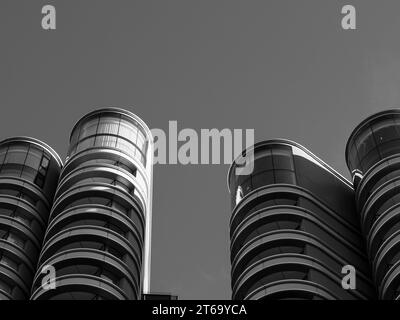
column 293, row 228
column 373, row 157
column 98, row 236
column 29, row 170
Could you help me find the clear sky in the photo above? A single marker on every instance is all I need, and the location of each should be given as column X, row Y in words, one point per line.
column 284, row 68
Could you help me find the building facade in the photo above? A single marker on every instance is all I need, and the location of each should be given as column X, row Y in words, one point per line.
column 373, row 158
column 293, row 228
column 29, row 170
column 98, row 235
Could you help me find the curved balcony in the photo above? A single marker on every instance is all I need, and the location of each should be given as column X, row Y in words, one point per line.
column 29, row 170
column 293, row 227
column 373, row 153
column 99, row 229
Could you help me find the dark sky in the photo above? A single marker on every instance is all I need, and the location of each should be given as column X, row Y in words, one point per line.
column 284, row 68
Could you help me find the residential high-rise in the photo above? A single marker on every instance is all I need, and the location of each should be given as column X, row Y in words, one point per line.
column 373, row 157
column 98, row 236
column 293, row 227
column 29, row 170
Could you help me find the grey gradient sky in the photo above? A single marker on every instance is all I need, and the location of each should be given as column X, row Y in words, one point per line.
column 284, row 68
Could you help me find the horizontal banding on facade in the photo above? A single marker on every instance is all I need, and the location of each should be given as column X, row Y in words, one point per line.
column 29, row 170
column 292, row 264
column 293, row 227
column 86, row 287
column 89, row 259
column 291, row 289
column 373, row 150
column 98, row 224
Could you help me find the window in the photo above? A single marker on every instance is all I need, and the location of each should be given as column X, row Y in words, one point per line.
column 261, row 179
column 33, row 158
column 105, row 141
column 45, row 161
column 39, row 180
column 85, row 144
column 128, row 131
column 282, row 158
column 5, row 286
column 285, row 176
column 16, row 240
column 3, row 153
column 16, row 154
column 9, row 262
column 89, row 128
column 108, row 125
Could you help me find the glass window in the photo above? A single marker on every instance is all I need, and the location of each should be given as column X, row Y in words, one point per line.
column 385, row 131
column 33, row 158
column 3, row 152
column 45, row 161
column 15, row 239
column 141, row 142
column 128, row 131
column 263, row 161
column 105, row 141
column 389, row 148
column 353, row 157
column 6, row 211
column 110, row 276
column 134, row 215
column 16, row 154
column 12, row 169
column 108, row 125
column 9, row 262
column 85, row 144
column 89, row 128
column 370, row 159
column 388, row 233
column 116, row 205
column 29, row 173
column 29, row 199
column 292, row 224
column 277, row 248
column 262, row 179
column 126, row 147
column 282, row 158
column 6, row 287
column 10, row 192
column 389, row 176
column 3, row 234
column 365, row 143
column 285, row 176
column 395, row 199
column 39, row 180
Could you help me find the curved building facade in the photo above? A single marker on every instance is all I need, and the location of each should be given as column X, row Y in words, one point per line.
column 98, row 237
column 373, row 157
column 29, row 171
column 293, row 227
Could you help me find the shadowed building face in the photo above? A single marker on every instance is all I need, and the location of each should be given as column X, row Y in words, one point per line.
column 98, row 237
column 373, row 157
column 293, row 227
column 29, row 171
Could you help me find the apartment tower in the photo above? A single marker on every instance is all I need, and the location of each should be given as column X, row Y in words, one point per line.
column 98, row 235
column 373, row 158
column 29, row 170
column 293, row 227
